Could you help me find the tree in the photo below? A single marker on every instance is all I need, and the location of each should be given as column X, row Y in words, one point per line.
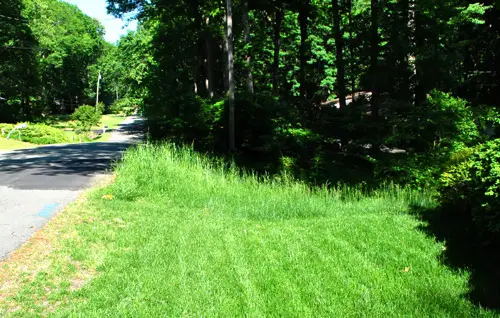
column 248, row 58
column 303, row 21
column 71, row 43
column 374, row 48
column 230, row 75
column 277, row 46
column 339, row 45
column 18, row 64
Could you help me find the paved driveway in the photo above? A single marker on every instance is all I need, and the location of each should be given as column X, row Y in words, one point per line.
column 37, row 183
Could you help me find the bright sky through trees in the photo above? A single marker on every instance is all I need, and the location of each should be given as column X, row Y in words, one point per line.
column 97, row 9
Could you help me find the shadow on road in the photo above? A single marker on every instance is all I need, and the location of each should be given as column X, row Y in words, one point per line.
column 64, row 166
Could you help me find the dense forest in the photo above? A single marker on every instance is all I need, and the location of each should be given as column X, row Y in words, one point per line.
column 332, row 90
column 46, row 50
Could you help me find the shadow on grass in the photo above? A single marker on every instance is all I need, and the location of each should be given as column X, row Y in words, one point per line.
column 333, row 168
column 465, row 251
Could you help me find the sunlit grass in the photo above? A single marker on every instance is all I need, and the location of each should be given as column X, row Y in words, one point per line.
column 178, row 234
column 11, row 144
column 112, row 121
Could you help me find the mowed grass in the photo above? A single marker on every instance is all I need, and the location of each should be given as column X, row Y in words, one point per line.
column 11, row 144
column 178, row 234
column 112, row 121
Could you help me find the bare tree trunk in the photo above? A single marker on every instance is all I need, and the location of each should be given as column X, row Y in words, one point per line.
column 225, row 58
column 339, row 46
column 410, row 5
column 303, row 21
column 374, row 59
column 419, row 43
column 351, row 46
column 277, row 48
column 230, row 75
column 209, row 65
column 248, row 58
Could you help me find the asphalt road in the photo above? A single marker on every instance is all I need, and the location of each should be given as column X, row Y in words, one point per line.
column 37, row 183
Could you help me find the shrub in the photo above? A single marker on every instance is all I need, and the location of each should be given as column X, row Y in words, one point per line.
column 101, row 107
column 42, row 134
column 473, row 185
column 5, row 129
column 431, row 134
column 86, row 117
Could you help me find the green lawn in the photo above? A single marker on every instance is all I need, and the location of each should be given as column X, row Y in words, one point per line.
column 11, row 144
column 112, row 121
column 179, row 235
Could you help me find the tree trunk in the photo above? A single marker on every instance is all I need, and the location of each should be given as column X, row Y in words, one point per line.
column 225, row 59
column 374, row 40
column 230, row 75
column 209, row 65
column 351, row 46
column 419, row 47
column 248, row 58
column 277, row 48
column 303, row 17
column 411, row 54
column 339, row 46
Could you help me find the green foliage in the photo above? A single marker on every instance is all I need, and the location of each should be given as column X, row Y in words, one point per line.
column 5, row 129
column 19, row 65
column 126, row 106
column 42, row 134
column 431, row 135
column 86, row 117
column 442, row 125
column 255, row 231
column 472, row 184
column 70, row 42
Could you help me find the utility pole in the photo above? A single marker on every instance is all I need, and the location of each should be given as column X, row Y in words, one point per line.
column 97, row 94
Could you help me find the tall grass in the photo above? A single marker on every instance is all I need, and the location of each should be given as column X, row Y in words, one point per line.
column 180, row 234
column 202, row 182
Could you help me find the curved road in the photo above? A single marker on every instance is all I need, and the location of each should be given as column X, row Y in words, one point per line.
column 37, row 183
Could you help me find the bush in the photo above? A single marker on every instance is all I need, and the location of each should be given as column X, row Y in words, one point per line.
column 431, row 134
column 473, row 185
column 86, row 117
column 5, row 129
column 42, row 134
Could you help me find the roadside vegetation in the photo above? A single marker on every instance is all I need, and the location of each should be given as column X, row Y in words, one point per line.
column 178, row 233
column 363, row 139
column 61, row 129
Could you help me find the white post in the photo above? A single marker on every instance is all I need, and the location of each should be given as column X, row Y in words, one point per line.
column 97, row 94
